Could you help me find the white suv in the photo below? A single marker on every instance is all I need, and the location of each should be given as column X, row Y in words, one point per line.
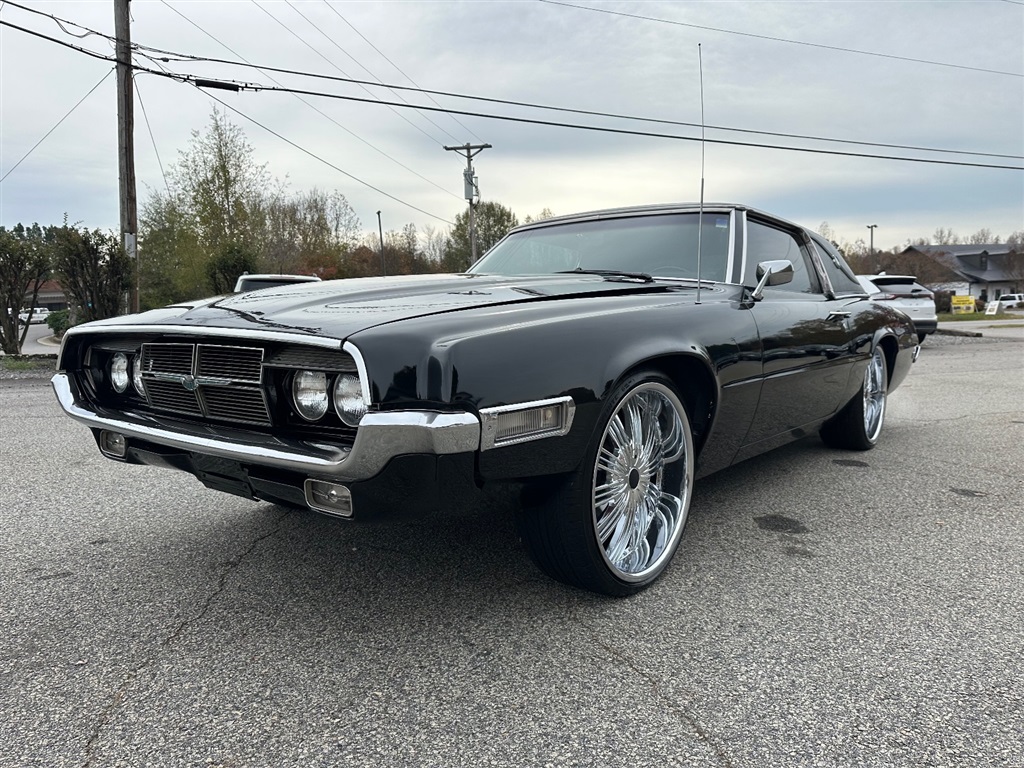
column 904, row 293
column 1011, row 301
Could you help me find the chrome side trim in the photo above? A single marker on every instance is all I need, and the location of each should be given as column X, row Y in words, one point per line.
column 381, row 437
column 489, row 421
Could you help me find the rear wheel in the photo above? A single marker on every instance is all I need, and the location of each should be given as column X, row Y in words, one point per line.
column 859, row 424
column 614, row 524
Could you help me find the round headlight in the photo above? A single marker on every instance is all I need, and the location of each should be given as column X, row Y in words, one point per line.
column 137, row 375
column 119, row 372
column 348, row 399
column 309, row 393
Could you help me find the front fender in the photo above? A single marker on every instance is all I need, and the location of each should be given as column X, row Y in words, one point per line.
column 545, row 354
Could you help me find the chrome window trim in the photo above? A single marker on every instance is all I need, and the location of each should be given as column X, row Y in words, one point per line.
column 489, row 421
column 380, row 438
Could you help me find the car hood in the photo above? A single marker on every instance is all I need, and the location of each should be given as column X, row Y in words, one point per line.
column 341, row 308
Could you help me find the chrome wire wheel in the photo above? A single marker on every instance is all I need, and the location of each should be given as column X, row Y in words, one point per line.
column 875, row 391
column 642, row 482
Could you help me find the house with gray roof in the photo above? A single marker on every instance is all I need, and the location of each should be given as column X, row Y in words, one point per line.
column 989, row 270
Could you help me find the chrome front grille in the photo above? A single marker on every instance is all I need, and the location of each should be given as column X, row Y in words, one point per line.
column 167, row 358
column 170, row 396
column 229, row 363
column 209, row 380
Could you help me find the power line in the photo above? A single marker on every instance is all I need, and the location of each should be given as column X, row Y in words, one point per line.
column 322, row 160
column 781, row 39
column 55, row 127
column 61, row 22
column 197, row 83
column 190, row 79
column 334, row 42
column 335, row 66
column 648, row 134
column 601, row 129
column 621, row 131
column 400, row 70
column 320, row 112
column 568, row 110
column 151, row 137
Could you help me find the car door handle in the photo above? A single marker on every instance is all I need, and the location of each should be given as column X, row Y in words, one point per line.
column 837, row 315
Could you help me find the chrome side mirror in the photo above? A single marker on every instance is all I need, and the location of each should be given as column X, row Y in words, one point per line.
column 777, row 272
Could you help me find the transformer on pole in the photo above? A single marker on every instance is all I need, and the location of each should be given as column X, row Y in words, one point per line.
column 471, row 187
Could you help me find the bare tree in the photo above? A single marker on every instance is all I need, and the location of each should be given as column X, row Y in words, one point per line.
column 983, row 237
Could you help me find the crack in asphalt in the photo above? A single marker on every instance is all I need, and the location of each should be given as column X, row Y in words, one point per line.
column 678, row 710
column 107, row 715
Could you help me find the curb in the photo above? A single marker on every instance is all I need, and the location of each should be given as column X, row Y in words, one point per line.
column 952, row 332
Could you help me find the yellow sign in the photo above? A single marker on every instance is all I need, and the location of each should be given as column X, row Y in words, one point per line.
column 962, row 304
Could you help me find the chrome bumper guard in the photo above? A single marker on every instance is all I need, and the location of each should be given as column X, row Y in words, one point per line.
column 381, row 437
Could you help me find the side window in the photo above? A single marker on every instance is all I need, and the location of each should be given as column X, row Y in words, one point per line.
column 839, row 273
column 766, row 243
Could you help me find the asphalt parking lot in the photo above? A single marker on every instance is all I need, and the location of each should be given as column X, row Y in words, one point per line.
column 826, row 608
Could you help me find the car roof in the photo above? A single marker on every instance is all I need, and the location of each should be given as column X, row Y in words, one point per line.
column 655, row 208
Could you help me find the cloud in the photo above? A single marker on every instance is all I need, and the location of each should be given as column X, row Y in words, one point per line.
column 548, row 54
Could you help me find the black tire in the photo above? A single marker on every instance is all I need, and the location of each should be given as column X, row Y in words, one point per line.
column 921, row 337
column 858, row 426
column 613, row 525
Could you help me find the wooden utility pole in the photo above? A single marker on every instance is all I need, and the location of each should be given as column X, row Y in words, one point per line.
column 469, row 151
column 126, row 141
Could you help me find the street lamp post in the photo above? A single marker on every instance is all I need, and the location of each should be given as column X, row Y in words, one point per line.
column 380, row 229
column 871, row 248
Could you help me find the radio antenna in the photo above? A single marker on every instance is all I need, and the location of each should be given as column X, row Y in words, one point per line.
column 700, row 211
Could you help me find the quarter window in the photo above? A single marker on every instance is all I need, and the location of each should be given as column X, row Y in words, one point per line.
column 839, row 273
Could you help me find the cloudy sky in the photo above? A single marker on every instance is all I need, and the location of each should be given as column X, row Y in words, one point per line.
column 930, row 75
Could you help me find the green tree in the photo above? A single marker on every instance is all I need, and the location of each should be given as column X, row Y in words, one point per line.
column 219, row 203
column 25, row 261
column 215, row 200
column 224, row 269
column 94, row 270
column 493, row 221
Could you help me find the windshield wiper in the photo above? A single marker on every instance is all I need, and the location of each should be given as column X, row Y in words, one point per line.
column 610, row 274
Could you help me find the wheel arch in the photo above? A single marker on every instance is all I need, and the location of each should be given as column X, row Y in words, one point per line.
column 694, row 381
column 890, row 348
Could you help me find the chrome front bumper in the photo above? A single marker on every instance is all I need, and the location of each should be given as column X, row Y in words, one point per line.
column 381, row 437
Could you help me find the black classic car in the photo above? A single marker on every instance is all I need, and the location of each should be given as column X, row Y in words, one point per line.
column 601, row 362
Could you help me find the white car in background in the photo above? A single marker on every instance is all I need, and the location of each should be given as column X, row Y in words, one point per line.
column 1011, row 301
column 38, row 315
column 907, row 295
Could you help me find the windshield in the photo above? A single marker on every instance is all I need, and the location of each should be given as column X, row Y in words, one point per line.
column 663, row 245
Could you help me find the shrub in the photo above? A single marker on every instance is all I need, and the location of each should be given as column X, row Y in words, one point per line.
column 59, row 322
